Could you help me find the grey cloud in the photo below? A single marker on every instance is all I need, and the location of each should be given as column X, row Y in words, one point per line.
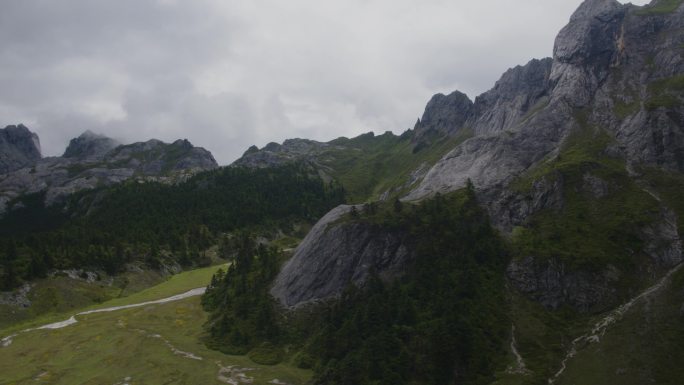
column 228, row 74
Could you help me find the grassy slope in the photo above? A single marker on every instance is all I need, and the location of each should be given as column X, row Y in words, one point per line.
column 368, row 165
column 66, row 290
column 60, row 294
column 660, row 8
column 644, row 347
column 587, row 233
column 107, row 347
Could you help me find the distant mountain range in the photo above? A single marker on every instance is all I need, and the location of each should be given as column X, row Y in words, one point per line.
column 90, row 161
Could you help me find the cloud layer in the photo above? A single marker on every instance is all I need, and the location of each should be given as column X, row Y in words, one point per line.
column 228, row 74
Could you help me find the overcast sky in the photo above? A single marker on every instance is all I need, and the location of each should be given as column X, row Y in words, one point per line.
column 227, row 74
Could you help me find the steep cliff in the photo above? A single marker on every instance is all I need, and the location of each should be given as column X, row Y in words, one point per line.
column 561, row 146
column 19, row 147
column 619, row 65
column 337, row 253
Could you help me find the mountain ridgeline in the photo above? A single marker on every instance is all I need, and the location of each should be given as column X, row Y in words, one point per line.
column 156, row 223
column 576, row 160
column 91, row 161
column 529, row 236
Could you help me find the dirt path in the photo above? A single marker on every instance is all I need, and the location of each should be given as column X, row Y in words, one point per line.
column 7, row 341
column 600, row 327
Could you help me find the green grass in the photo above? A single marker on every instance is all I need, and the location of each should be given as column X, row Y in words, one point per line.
column 367, row 166
column 541, row 104
column 582, row 149
column 660, row 8
column 176, row 284
column 105, row 348
column 286, row 242
column 670, row 187
column 74, row 170
column 60, row 294
column 588, row 232
column 644, row 347
column 625, row 109
column 542, row 337
column 665, row 93
column 74, row 296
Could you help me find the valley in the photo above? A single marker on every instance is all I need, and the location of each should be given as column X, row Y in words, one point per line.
column 154, row 343
column 529, row 236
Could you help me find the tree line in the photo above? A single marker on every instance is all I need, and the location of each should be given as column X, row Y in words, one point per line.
column 104, row 229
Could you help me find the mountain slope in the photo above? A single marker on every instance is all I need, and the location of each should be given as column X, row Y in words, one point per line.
column 577, row 160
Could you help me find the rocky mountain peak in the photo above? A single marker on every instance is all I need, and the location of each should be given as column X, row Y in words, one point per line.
column 586, row 48
column 594, row 8
column 19, row 147
column 519, row 90
column 183, row 143
column 445, row 114
column 273, row 154
column 89, row 145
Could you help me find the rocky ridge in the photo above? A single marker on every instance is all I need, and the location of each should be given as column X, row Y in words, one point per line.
column 93, row 160
column 274, row 154
column 611, row 61
column 19, row 147
column 89, row 146
column 617, row 70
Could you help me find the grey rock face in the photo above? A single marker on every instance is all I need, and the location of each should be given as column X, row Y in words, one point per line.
column 274, row 154
column 508, row 208
column 445, row 114
column 19, row 148
column 606, row 61
column 89, row 146
column 585, row 49
column 334, row 255
column 611, row 66
column 519, row 92
column 596, row 186
column 663, row 243
column 491, row 160
column 551, row 284
column 87, row 167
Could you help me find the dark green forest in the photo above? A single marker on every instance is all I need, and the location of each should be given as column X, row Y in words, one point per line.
column 444, row 322
column 151, row 222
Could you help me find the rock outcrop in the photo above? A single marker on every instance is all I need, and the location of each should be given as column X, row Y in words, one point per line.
column 19, row 148
column 337, row 253
column 89, row 146
column 444, row 114
column 552, row 284
column 274, row 154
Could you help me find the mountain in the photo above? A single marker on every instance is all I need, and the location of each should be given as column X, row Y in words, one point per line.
column 577, row 161
column 93, row 160
column 89, row 145
column 594, row 109
column 531, row 235
column 19, row 147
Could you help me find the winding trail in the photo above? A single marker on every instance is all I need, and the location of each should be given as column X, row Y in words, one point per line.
column 520, row 367
column 7, row 341
column 600, row 327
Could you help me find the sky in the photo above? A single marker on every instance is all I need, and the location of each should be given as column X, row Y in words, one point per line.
column 227, row 74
